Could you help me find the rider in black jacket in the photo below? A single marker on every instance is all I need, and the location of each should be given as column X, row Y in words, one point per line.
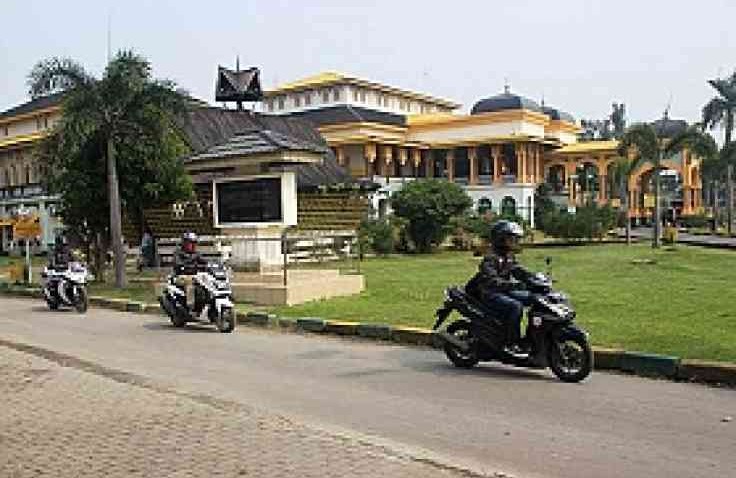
column 187, row 261
column 500, row 278
column 61, row 255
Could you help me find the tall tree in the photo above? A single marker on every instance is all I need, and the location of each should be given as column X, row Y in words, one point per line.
column 622, row 170
column 124, row 120
column 719, row 112
column 642, row 142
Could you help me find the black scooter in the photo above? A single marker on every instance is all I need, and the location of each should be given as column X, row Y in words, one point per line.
column 554, row 340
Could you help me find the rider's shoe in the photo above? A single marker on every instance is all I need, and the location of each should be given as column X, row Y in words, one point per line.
column 520, row 348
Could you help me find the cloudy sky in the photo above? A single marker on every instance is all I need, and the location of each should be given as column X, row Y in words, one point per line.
column 580, row 55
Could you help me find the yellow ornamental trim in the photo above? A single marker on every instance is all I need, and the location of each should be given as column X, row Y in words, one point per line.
column 21, row 139
column 589, row 147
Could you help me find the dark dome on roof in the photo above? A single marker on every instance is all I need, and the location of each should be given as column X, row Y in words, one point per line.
column 556, row 114
column 504, row 101
column 668, row 128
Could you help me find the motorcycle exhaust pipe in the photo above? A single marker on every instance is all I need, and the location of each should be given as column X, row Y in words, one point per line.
column 454, row 341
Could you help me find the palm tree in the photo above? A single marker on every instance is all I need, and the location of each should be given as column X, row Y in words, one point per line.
column 719, row 112
column 621, row 173
column 645, row 144
column 126, row 103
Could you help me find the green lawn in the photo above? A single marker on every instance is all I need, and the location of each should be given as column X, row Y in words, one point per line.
column 682, row 304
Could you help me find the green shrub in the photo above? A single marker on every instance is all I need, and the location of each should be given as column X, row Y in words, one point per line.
column 694, row 221
column 376, row 235
column 428, row 207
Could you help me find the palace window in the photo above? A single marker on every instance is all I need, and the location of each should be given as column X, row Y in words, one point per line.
column 355, row 94
column 6, row 131
column 362, row 96
column 336, row 94
column 307, row 98
column 269, row 105
column 45, row 122
column 281, row 102
column 297, row 101
column 326, row 95
column 402, row 105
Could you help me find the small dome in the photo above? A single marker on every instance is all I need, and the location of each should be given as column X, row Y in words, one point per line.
column 669, row 128
column 504, row 101
column 556, row 114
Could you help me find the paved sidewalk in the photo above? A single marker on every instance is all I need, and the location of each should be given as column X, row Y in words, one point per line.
column 59, row 421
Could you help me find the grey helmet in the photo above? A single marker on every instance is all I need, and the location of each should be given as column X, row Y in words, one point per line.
column 502, row 230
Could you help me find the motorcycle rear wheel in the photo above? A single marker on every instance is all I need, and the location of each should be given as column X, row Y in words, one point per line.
column 226, row 320
column 461, row 330
column 571, row 359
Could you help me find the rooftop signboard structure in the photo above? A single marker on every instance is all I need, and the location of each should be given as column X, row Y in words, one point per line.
column 238, row 85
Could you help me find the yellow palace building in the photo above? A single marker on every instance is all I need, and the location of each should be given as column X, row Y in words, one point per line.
column 499, row 152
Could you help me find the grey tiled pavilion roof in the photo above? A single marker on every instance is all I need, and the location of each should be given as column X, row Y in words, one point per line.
column 208, row 127
column 256, row 141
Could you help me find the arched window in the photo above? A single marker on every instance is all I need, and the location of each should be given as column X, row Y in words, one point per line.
column 485, row 205
column 13, row 178
column 508, row 206
column 29, row 176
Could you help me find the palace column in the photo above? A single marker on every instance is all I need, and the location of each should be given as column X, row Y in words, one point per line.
column 403, row 157
column 569, row 171
column 416, row 160
column 602, row 180
column 496, row 154
column 340, row 155
column 387, row 157
column 429, row 163
column 519, row 164
column 450, row 158
column 473, row 162
column 369, row 153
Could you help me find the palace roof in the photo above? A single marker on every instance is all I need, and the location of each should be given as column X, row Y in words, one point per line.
column 505, row 101
column 330, row 78
column 36, row 104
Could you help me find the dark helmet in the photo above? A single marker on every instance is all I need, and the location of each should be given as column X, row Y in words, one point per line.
column 189, row 241
column 501, row 232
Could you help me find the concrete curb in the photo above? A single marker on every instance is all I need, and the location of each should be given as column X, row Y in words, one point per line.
column 638, row 363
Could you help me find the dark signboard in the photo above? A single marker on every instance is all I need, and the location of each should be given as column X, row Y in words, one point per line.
column 249, row 201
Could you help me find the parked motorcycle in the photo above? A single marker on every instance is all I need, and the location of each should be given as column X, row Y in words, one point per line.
column 67, row 287
column 553, row 338
column 211, row 290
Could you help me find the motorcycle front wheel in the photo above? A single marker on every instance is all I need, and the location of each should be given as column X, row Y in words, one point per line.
column 226, row 320
column 461, row 330
column 82, row 302
column 571, row 358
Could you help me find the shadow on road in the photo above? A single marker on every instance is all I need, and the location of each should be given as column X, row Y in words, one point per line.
column 492, row 370
column 189, row 328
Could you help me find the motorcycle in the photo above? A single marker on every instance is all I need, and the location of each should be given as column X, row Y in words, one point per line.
column 211, row 290
column 67, row 287
column 552, row 337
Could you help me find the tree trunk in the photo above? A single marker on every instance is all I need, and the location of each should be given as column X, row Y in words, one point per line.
column 624, row 192
column 656, row 240
column 729, row 197
column 715, row 205
column 116, row 234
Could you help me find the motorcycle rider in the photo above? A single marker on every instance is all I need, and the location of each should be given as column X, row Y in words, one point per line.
column 61, row 255
column 187, row 262
column 500, row 278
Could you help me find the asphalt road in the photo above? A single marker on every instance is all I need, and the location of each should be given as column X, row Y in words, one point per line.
column 490, row 419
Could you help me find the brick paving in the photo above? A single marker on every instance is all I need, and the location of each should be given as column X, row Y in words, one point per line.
column 63, row 421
